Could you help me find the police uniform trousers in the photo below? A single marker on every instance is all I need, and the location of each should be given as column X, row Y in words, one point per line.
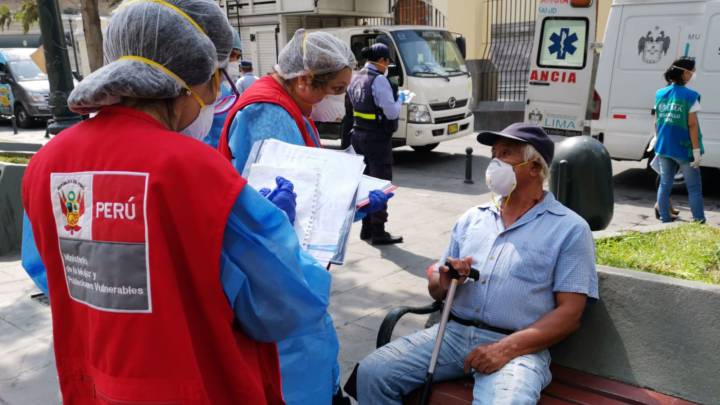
column 377, row 150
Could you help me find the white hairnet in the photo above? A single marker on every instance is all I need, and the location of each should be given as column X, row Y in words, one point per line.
column 154, row 48
column 316, row 53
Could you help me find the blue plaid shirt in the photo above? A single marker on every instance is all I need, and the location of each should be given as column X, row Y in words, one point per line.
column 549, row 249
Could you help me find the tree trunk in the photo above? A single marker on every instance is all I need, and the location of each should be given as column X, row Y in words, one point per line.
column 93, row 33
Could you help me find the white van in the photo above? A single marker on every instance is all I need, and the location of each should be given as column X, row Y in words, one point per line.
column 430, row 64
column 642, row 38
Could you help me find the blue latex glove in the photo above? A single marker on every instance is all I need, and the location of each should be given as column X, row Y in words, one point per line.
column 282, row 196
column 378, row 202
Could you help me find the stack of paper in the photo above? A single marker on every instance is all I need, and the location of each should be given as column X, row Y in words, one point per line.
column 263, row 176
column 326, row 183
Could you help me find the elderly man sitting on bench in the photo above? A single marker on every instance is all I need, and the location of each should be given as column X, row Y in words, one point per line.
column 537, row 271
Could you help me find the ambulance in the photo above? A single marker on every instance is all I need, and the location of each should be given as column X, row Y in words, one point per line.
column 575, row 90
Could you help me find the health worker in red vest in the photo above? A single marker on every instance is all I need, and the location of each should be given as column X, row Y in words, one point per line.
column 169, row 278
column 278, row 106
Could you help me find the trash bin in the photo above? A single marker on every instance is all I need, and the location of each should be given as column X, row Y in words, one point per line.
column 581, row 179
column 11, row 209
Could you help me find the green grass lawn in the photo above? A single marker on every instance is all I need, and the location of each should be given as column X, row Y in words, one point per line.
column 689, row 251
column 11, row 158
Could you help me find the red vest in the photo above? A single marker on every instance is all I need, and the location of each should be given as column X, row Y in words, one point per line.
column 129, row 220
column 266, row 90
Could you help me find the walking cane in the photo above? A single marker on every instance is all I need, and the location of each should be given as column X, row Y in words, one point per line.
column 475, row 275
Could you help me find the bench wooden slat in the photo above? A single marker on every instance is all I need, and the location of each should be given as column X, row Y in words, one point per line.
column 578, row 395
column 569, row 387
column 548, row 400
column 454, row 392
column 625, row 393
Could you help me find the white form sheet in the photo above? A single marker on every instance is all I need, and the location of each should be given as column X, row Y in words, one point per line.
column 340, row 175
column 263, row 176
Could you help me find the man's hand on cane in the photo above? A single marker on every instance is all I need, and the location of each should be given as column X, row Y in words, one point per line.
column 462, row 266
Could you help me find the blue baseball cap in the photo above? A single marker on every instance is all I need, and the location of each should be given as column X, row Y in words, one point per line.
column 378, row 51
column 246, row 64
column 524, row 133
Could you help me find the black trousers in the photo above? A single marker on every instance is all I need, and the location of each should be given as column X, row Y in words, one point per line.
column 376, row 221
column 377, row 151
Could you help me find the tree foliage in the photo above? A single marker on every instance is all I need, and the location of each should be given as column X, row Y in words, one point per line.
column 28, row 14
column 5, row 17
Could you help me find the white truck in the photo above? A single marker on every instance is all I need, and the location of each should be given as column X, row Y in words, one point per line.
column 429, row 63
column 642, row 38
column 429, row 60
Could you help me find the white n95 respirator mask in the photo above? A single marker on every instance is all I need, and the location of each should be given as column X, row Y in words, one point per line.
column 233, row 70
column 500, row 177
column 201, row 126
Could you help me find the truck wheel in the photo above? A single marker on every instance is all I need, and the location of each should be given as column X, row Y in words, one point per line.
column 22, row 118
column 425, row 148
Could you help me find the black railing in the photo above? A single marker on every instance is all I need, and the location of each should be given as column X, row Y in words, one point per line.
column 505, row 60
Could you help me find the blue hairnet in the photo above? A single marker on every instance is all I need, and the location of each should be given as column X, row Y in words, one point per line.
column 236, row 40
column 315, row 52
column 173, row 43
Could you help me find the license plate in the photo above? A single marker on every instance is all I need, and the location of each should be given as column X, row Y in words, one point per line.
column 452, row 129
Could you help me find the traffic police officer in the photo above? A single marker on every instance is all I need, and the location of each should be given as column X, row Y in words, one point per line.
column 376, row 109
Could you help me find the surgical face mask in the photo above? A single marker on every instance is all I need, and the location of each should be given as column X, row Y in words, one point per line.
column 378, row 65
column 201, row 126
column 233, row 70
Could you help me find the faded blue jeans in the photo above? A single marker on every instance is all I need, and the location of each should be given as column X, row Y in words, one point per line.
column 399, row 367
column 693, row 182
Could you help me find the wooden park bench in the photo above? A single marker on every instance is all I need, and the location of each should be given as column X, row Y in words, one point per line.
column 568, row 386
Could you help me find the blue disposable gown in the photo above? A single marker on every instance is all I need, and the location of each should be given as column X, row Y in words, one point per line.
column 308, row 358
column 270, row 305
column 31, row 261
column 222, row 108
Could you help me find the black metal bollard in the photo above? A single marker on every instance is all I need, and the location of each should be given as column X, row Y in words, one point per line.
column 468, row 165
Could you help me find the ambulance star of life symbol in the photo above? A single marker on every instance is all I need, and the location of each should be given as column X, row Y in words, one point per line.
column 452, row 102
column 562, row 43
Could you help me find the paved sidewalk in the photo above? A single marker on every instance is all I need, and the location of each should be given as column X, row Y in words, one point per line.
column 33, row 136
column 431, row 197
column 27, row 364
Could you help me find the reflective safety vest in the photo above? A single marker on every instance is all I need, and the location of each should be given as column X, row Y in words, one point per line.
column 367, row 116
column 129, row 220
column 267, row 90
